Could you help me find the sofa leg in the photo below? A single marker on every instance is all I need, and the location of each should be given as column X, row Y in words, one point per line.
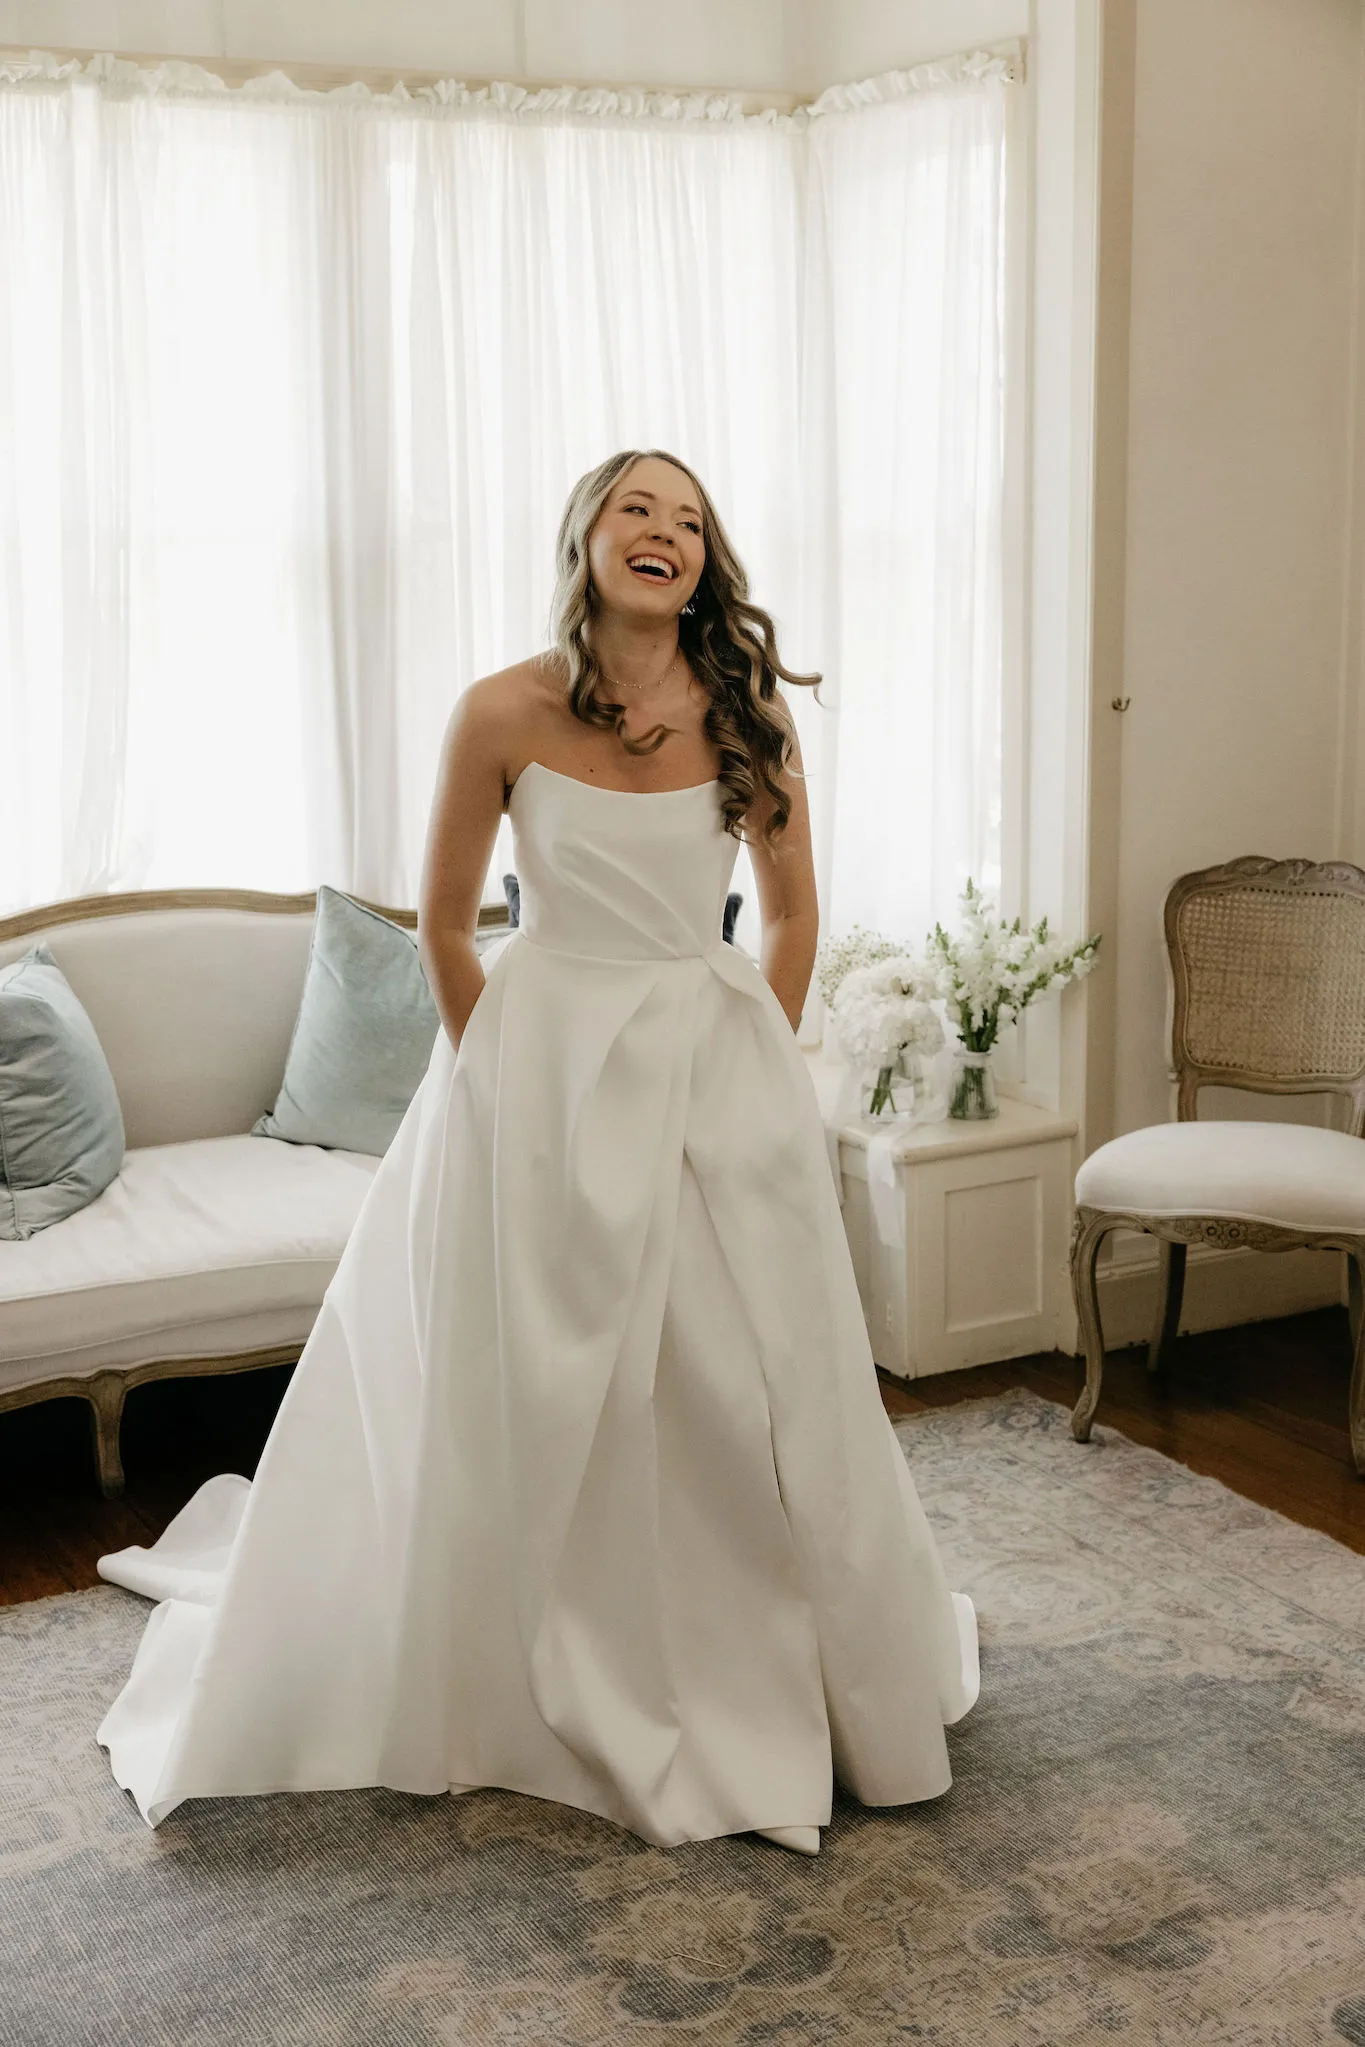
column 1085, row 1249
column 106, row 1397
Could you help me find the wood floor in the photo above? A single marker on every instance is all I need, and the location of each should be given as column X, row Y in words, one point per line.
column 1262, row 1408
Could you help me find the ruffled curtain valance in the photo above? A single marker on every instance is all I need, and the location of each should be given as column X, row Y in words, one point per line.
column 123, row 77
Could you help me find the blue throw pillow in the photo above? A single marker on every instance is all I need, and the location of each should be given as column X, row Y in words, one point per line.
column 362, row 1041
column 61, row 1127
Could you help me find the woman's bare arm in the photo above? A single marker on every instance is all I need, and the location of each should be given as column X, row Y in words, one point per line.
column 784, row 876
column 466, row 807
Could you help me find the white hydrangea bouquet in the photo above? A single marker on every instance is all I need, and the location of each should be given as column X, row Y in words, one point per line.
column 881, row 1021
column 994, row 969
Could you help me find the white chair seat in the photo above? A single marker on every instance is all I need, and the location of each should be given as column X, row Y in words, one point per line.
column 203, row 1249
column 1288, row 1173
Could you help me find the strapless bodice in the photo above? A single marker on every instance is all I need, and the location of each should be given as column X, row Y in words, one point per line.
column 620, row 874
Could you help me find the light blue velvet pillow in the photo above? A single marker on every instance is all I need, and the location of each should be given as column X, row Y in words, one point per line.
column 61, row 1127
column 362, row 1041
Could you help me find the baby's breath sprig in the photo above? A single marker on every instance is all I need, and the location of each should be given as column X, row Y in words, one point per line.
column 837, row 957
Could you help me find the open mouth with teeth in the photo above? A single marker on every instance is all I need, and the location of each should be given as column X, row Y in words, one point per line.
column 653, row 567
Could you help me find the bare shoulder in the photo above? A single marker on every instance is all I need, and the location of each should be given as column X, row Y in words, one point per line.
column 509, row 695
column 491, row 716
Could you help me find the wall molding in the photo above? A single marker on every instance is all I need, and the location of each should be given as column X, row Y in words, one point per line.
column 1065, row 80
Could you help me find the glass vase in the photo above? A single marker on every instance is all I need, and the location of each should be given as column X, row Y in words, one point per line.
column 973, row 1087
column 891, row 1094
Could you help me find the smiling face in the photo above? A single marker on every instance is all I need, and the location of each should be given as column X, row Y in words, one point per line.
column 646, row 552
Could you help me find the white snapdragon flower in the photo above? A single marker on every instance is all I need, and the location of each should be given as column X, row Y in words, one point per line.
column 993, row 967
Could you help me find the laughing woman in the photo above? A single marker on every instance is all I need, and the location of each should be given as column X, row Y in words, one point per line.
column 582, row 1486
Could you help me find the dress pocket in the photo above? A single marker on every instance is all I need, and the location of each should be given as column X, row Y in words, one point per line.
column 492, row 960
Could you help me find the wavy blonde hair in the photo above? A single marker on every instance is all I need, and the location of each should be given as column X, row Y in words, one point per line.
column 729, row 643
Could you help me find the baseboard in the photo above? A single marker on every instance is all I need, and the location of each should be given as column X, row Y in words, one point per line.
column 1222, row 1290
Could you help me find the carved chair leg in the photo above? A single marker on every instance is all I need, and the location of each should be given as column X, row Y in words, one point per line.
column 106, row 1396
column 1172, row 1257
column 1085, row 1249
column 1355, row 1266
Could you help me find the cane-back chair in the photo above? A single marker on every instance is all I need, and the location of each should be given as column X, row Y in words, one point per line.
column 1266, row 991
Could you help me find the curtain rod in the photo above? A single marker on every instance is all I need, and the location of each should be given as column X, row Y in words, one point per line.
column 327, row 77
column 237, row 71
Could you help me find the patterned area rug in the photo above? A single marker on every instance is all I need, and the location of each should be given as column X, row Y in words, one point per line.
column 1156, row 1833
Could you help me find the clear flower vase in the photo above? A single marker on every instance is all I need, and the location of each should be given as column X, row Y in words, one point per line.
column 973, row 1098
column 892, row 1094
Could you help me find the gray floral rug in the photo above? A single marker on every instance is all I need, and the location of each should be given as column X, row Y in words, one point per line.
column 1156, row 1832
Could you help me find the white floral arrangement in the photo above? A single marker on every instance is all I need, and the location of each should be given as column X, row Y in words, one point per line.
column 878, row 992
column 996, row 969
column 879, row 1012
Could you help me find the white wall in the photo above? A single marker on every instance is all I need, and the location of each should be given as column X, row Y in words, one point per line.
column 829, row 40
column 794, row 46
column 708, row 42
column 1228, row 587
column 1240, row 391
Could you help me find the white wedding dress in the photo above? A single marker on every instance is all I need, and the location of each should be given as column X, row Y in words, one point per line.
column 582, row 1485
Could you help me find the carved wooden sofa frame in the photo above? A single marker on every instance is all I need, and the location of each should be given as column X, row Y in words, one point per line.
column 106, row 1391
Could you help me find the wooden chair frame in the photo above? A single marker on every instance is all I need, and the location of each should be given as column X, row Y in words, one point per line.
column 106, row 1391
column 1277, row 879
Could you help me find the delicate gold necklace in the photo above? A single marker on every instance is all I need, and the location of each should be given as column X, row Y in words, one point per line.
column 644, row 685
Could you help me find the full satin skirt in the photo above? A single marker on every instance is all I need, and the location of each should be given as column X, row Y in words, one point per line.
column 582, row 1486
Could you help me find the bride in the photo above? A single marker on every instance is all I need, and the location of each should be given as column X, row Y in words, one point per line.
column 582, row 1486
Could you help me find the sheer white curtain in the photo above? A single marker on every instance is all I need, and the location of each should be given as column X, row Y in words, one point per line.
column 165, row 516
column 293, row 387
column 904, row 320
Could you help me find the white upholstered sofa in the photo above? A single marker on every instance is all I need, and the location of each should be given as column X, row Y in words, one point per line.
column 211, row 1250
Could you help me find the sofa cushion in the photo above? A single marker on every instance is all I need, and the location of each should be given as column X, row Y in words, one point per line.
column 237, row 1231
column 363, row 1040
column 1289, row 1173
column 61, row 1129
